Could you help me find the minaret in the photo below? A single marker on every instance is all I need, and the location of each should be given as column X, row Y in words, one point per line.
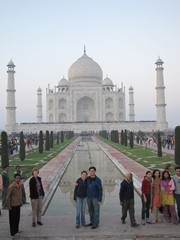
column 131, row 105
column 160, row 97
column 11, row 108
column 39, row 105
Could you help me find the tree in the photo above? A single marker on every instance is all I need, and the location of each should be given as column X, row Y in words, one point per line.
column 159, row 144
column 58, row 138
column 41, row 142
column 4, row 150
column 51, row 139
column 122, row 137
column 47, row 145
column 125, row 138
column 131, row 142
column 177, row 145
column 62, row 137
column 22, row 145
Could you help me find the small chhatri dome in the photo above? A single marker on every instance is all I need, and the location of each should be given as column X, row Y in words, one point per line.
column 159, row 61
column 130, row 88
column 11, row 64
column 63, row 82
column 107, row 82
column 39, row 89
column 85, row 70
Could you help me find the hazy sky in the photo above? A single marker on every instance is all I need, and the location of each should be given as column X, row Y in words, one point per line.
column 125, row 37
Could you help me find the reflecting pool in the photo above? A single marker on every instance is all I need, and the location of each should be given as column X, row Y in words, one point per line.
column 88, row 154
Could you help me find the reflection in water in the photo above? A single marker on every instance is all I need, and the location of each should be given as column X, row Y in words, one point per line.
column 88, row 153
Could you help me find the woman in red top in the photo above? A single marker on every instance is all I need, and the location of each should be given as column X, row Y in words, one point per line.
column 146, row 197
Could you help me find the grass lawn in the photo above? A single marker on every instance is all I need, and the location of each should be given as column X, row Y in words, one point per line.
column 144, row 156
column 35, row 159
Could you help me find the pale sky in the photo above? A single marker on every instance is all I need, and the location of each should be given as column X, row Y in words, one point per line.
column 125, row 37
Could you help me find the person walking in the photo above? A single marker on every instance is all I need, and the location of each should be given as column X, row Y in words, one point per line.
column 5, row 180
column 168, row 203
column 126, row 196
column 156, row 194
column 36, row 196
column 80, row 196
column 146, row 197
column 14, row 202
column 176, row 179
column 94, row 197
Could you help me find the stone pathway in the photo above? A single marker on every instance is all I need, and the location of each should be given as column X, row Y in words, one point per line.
column 62, row 227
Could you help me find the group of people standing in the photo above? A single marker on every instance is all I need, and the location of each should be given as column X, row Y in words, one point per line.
column 159, row 193
column 88, row 189
column 159, row 190
column 14, row 196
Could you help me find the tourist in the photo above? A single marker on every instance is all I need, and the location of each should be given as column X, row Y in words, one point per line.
column 18, row 170
column 156, row 194
column 5, row 179
column 169, row 167
column 176, row 179
column 36, row 196
column 80, row 196
column 126, row 196
column 168, row 203
column 94, row 197
column 14, row 202
column 146, row 197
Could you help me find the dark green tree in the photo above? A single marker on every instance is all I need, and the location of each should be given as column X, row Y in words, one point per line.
column 131, row 141
column 57, row 141
column 177, row 145
column 125, row 138
column 51, row 139
column 47, row 144
column 122, row 137
column 116, row 133
column 159, row 144
column 62, row 137
column 41, row 142
column 22, row 146
column 4, row 150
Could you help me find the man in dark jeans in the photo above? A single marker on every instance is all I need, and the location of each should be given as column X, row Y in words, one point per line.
column 126, row 196
column 94, row 197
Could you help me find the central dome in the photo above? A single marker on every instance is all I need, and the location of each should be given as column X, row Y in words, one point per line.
column 85, row 70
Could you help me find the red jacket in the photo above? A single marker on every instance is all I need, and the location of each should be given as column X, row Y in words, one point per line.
column 146, row 187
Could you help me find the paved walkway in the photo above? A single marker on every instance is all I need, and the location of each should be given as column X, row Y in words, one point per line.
column 63, row 227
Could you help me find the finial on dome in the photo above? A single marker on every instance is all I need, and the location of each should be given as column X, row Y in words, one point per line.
column 84, row 49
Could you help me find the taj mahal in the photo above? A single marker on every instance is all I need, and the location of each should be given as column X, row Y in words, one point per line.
column 86, row 102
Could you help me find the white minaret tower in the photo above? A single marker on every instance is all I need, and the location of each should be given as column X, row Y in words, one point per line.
column 11, row 108
column 39, row 105
column 131, row 105
column 160, row 97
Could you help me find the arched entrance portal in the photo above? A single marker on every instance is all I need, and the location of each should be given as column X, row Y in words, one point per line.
column 86, row 110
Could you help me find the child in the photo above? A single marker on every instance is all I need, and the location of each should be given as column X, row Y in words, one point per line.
column 156, row 194
column 146, row 197
column 168, row 203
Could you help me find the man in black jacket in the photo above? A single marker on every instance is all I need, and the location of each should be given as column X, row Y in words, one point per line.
column 36, row 195
column 126, row 196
